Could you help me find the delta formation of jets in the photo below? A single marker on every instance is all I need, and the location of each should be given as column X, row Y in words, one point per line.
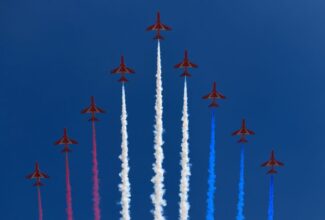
column 122, row 69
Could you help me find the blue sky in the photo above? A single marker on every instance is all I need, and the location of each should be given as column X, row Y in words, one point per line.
column 266, row 57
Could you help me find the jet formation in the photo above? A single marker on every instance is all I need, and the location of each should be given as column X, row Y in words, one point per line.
column 124, row 70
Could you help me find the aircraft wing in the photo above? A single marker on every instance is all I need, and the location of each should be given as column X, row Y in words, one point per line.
column 73, row 141
column 251, row 132
column 179, row 65
column 208, row 96
column 278, row 163
column 182, row 64
column 193, row 65
column 116, row 70
column 151, row 28
column 165, row 27
column 99, row 110
column 58, row 142
column 44, row 175
column 267, row 163
column 86, row 110
column 30, row 176
column 129, row 70
column 236, row 132
column 221, row 96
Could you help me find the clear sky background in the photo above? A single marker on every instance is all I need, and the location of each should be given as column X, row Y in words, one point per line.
column 267, row 57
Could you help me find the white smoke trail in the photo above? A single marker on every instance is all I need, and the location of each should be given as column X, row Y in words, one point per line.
column 185, row 163
column 124, row 186
column 158, row 180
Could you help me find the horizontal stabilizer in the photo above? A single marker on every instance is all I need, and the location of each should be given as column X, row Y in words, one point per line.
column 272, row 171
column 93, row 119
column 66, row 150
column 242, row 140
column 186, row 74
column 158, row 37
column 213, row 105
column 123, row 79
column 37, row 184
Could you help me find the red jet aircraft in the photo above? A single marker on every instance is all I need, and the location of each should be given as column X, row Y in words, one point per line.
column 272, row 162
column 243, row 132
column 38, row 175
column 65, row 140
column 122, row 69
column 158, row 26
column 92, row 109
column 186, row 63
column 214, row 95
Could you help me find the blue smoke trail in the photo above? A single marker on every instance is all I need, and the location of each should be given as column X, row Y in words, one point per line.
column 241, row 193
column 212, row 176
column 270, row 212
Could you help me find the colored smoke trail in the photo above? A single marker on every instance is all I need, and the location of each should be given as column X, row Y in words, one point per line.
column 40, row 209
column 124, row 187
column 212, row 176
column 68, row 188
column 185, row 162
column 158, row 180
column 241, row 193
column 271, row 202
column 96, row 198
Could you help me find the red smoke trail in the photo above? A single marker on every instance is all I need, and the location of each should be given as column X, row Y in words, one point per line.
column 68, row 187
column 40, row 209
column 96, row 198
